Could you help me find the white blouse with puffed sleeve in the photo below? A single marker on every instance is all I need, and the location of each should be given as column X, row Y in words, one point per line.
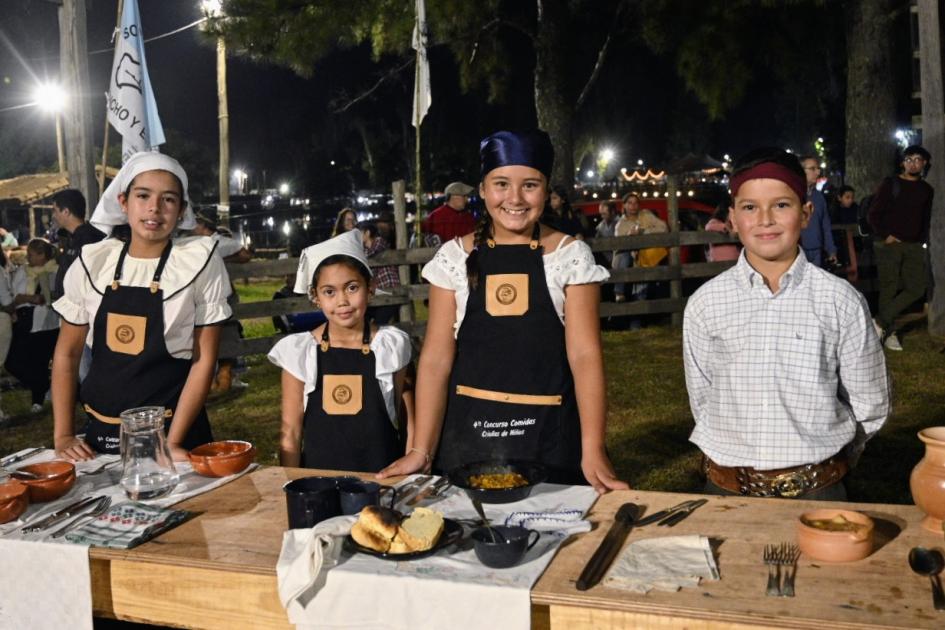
column 572, row 262
column 298, row 355
column 194, row 287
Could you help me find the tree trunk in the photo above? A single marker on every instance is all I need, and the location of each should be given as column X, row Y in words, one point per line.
column 77, row 115
column 871, row 104
column 554, row 104
column 933, row 138
column 368, row 153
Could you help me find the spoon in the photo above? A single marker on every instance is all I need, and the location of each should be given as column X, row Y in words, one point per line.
column 22, row 474
column 929, row 562
column 485, row 521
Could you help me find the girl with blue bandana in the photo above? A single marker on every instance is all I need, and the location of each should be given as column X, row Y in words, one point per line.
column 511, row 366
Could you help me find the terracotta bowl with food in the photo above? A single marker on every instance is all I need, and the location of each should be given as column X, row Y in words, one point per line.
column 55, row 479
column 498, row 481
column 220, row 459
column 14, row 499
column 834, row 535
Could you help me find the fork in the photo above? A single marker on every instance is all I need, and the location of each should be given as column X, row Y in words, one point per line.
column 787, row 557
column 772, row 559
column 98, row 469
column 102, row 507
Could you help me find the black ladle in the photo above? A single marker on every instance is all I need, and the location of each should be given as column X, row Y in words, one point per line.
column 929, row 562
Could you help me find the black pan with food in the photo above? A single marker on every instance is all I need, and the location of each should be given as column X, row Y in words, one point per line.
column 514, row 478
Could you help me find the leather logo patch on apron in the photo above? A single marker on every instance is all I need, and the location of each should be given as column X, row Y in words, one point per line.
column 341, row 394
column 125, row 333
column 507, row 294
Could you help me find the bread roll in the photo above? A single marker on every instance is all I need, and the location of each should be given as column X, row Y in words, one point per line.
column 376, row 527
column 369, row 539
column 418, row 532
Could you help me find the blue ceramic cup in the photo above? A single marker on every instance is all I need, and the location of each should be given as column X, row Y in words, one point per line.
column 356, row 494
column 311, row 500
column 504, row 546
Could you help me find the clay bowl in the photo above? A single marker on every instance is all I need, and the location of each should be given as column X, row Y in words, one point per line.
column 219, row 459
column 835, row 546
column 14, row 499
column 56, row 478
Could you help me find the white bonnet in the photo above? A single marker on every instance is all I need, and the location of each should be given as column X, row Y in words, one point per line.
column 108, row 212
column 347, row 244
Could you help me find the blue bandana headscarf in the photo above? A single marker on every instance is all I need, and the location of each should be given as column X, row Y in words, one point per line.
column 521, row 148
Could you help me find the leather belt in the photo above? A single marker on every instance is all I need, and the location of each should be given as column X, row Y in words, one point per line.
column 782, row 482
column 506, row 397
column 111, row 420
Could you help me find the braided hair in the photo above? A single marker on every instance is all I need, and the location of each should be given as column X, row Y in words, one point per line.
column 482, row 234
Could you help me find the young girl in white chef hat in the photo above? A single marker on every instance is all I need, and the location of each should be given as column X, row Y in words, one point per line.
column 342, row 383
column 148, row 307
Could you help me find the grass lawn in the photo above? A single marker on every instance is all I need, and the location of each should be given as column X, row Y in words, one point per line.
column 649, row 420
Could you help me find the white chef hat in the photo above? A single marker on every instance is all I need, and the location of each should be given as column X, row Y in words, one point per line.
column 348, row 244
column 108, row 212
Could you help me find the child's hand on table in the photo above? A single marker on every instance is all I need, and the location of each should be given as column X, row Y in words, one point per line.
column 412, row 462
column 599, row 472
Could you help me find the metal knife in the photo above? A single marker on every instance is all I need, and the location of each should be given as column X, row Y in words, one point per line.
column 662, row 514
column 61, row 515
column 672, row 519
column 12, row 459
column 413, row 487
column 431, row 490
column 608, row 549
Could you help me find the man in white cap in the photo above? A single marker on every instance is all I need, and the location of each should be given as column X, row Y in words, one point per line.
column 451, row 219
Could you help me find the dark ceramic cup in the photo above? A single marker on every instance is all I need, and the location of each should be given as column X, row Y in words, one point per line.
column 503, row 547
column 311, row 500
column 357, row 494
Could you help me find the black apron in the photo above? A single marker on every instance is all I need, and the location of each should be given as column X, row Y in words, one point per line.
column 511, row 392
column 347, row 426
column 131, row 366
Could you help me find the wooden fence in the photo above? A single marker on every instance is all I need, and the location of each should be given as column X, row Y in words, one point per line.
column 674, row 274
column 405, row 295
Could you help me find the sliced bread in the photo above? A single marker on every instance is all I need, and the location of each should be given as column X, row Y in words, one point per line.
column 418, row 532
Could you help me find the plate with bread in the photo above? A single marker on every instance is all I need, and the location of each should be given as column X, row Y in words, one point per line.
column 388, row 534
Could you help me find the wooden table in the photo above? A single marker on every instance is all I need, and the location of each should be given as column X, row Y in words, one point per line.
column 217, row 570
column 880, row 591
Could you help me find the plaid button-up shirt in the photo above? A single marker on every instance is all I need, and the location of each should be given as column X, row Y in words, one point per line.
column 782, row 379
column 386, row 276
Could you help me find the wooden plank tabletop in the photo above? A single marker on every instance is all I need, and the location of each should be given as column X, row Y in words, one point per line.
column 879, row 591
column 217, row 570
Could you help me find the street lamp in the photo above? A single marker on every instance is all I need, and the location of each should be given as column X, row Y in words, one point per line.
column 51, row 98
column 213, row 10
column 241, row 177
column 284, row 189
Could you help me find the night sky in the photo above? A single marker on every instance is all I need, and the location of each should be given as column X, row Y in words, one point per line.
column 282, row 124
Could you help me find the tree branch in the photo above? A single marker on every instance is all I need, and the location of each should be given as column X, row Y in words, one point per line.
column 601, row 57
column 374, row 88
column 493, row 23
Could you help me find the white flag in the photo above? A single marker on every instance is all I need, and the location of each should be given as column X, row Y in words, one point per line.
column 131, row 107
column 422, row 97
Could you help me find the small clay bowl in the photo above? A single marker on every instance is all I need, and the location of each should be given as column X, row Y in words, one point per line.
column 219, row 459
column 14, row 499
column 835, row 546
column 56, row 478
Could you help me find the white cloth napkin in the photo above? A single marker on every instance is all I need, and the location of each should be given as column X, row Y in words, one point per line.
column 48, row 586
column 567, row 521
column 306, row 555
column 664, row 564
column 362, row 591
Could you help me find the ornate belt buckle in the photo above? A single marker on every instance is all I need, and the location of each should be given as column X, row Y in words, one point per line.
column 790, row 484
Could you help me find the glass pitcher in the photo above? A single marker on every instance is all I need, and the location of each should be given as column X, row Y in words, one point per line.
column 147, row 469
